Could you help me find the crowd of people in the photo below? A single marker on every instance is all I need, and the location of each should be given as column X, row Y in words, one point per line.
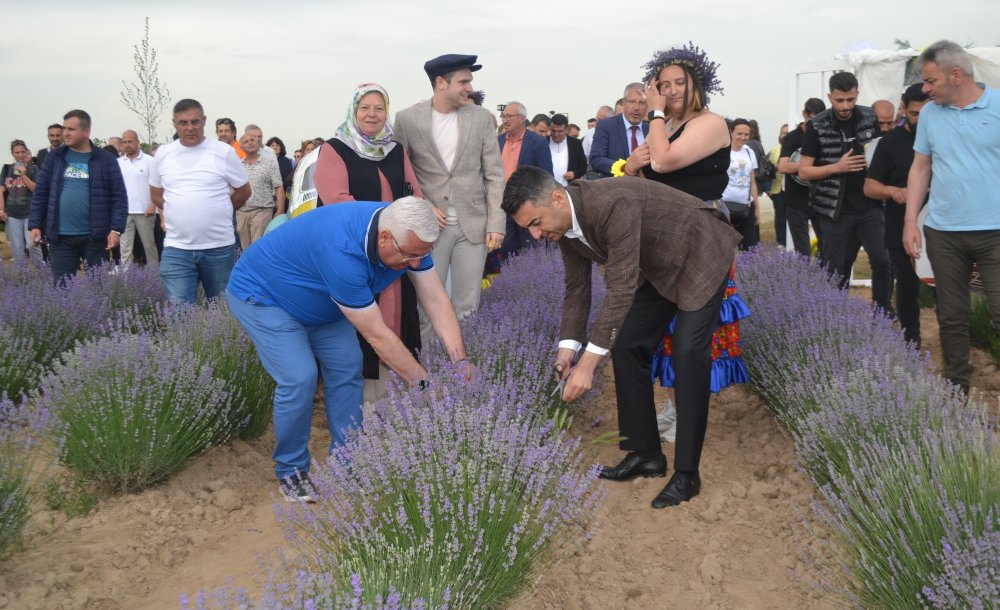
column 659, row 190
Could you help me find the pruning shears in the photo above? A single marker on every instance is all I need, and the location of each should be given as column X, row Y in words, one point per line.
column 558, row 390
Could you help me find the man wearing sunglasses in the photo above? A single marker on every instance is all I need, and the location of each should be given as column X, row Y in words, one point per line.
column 306, row 289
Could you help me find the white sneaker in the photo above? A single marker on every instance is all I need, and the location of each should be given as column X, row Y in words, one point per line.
column 666, row 421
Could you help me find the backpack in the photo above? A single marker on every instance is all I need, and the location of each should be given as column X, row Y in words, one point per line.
column 766, row 171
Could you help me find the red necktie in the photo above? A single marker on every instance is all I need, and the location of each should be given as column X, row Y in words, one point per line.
column 635, row 141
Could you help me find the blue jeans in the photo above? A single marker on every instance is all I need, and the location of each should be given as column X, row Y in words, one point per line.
column 288, row 350
column 18, row 237
column 181, row 270
column 67, row 251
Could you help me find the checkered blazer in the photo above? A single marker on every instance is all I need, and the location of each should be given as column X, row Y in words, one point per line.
column 641, row 230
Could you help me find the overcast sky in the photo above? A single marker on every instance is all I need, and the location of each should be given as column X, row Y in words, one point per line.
column 292, row 66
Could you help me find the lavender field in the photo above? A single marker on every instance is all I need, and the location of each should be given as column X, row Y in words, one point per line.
column 483, row 494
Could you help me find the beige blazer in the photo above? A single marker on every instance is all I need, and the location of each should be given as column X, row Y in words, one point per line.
column 473, row 184
column 640, row 230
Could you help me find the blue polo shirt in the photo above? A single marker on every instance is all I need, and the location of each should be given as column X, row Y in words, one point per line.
column 964, row 144
column 315, row 262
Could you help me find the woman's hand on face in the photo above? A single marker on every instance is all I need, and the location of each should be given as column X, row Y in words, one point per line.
column 654, row 100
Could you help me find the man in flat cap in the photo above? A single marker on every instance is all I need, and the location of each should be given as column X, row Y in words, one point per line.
column 452, row 145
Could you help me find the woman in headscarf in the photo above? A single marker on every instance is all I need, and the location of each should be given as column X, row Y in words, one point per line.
column 363, row 163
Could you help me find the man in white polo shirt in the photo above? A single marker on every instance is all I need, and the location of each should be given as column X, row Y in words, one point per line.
column 197, row 183
column 136, row 166
column 957, row 153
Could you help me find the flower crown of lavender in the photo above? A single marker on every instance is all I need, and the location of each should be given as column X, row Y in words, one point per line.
column 691, row 57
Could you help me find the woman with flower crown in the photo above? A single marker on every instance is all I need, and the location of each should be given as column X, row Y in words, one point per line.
column 689, row 149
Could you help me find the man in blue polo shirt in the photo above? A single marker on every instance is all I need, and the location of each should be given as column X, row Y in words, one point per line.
column 306, row 289
column 958, row 142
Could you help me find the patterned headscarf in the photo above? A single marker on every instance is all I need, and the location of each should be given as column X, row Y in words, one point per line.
column 369, row 147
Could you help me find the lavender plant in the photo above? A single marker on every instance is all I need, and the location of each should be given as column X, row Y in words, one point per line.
column 459, row 491
column 54, row 318
column 218, row 341
column 969, row 576
column 901, row 503
column 288, row 587
column 133, row 410
column 22, row 431
column 906, row 468
column 460, row 495
column 18, row 369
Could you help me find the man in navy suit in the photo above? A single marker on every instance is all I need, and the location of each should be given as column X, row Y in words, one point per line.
column 520, row 146
column 621, row 136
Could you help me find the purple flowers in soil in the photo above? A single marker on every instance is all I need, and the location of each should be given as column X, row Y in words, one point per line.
column 23, row 431
column 908, row 471
column 54, row 319
column 134, row 410
column 218, row 341
column 458, row 496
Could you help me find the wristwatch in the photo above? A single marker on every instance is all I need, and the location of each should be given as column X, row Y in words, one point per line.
column 656, row 114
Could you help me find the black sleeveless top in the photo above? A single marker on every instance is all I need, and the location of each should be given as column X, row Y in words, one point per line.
column 706, row 178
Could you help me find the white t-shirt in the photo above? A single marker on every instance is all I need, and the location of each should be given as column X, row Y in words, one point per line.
column 444, row 130
column 588, row 141
column 197, row 181
column 560, row 160
column 136, row 174
column 742, row 163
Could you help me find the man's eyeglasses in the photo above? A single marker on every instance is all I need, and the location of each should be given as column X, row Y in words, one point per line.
column 507, row 117
column 407, row 258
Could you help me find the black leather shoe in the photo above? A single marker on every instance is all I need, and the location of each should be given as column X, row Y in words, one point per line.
column 634, row 466
column 681, row 488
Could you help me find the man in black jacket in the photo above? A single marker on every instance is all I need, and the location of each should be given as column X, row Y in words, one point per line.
column 568, row 159
column 796, row 190
column 886, row 180
column 833, row 160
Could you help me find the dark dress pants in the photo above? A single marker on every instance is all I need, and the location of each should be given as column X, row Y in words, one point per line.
column 67, row 251
column 868, row 228
column 798, row 226
column 645, row 324
column 907, row 294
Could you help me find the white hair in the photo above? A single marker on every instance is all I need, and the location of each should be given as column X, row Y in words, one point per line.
column 947, row 54
column 410, row 214
column 520, row 107
column 638, row 87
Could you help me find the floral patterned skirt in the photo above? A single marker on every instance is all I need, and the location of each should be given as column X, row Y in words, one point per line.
column 727, row 361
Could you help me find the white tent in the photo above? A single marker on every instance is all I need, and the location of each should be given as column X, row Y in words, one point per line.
column 881, row 75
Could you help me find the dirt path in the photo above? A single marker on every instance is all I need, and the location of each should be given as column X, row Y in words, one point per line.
column 733, row 547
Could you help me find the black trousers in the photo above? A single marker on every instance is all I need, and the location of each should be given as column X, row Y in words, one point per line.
column 798, row 225
column 907, row 294
column 632, row 356
column 868, row 228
